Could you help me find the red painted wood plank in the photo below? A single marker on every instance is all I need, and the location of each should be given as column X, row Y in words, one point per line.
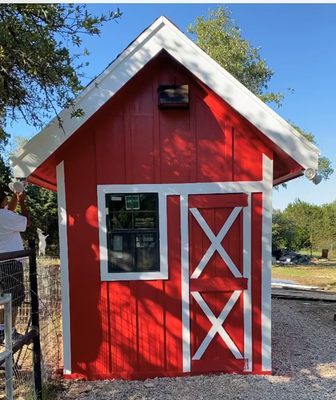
column 172, row 290
column 218, row 284
column 123, row 327
column 177, row 146
column 247, row 156
column 218, row 200
column 212, row 163
column 256, row 279
column 84, row 273
column 150, row 325
column 110, row 149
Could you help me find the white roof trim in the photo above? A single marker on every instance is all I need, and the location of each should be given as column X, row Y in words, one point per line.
column 162, row 34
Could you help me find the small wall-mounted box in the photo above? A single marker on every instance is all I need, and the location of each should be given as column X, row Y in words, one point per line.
column 173, row 96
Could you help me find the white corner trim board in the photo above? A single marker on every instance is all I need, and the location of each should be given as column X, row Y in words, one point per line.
column 186, row 359
column 163, row 35
column 63, row 242
column 266, row 267
column 247, row 295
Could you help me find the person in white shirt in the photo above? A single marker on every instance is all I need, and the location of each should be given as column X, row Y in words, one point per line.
column 11, row 272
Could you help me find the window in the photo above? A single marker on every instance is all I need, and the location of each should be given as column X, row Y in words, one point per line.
column 132, row 222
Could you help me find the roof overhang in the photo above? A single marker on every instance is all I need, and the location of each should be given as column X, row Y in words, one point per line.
column 163, row 35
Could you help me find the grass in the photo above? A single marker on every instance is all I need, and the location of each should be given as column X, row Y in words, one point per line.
column 47, row 261
column 322, row 274
column 51, row 389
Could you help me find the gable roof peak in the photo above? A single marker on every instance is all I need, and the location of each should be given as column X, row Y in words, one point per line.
column 163, row 34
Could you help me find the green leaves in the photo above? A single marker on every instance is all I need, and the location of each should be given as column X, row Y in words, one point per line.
column 303, row 225
column 324, row 164
column 218, row 36
column 38, row 75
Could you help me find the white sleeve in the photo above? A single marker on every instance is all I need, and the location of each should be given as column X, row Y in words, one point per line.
column 16, row 222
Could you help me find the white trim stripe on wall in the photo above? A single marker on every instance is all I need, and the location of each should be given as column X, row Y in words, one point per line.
column 63, row 243
column 186, row 362
column 247, row 292
column 266, row 359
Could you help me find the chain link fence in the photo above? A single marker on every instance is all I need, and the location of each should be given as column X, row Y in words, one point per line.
column 16, row 277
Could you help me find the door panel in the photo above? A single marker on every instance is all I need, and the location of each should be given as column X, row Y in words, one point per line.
column 216, row 282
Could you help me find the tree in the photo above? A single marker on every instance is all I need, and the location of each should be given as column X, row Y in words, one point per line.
column 283, row 232
column 38, row 74
column 42, row 205
column 5, row 173
column 288, row 232
column 302, row 225
column 219, row 37
column 324, row 164
column 308, row 220
column 328, row 227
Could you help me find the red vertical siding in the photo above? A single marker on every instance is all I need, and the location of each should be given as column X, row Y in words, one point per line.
column 136, row 142
column 256, row 271
column 110, row 148
column 125, row 329
column 172, row 290
column 84, row 275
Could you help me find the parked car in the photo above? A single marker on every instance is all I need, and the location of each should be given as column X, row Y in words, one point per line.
column 292, row 258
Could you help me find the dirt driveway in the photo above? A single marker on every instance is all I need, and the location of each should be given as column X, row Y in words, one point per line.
column 304, row 365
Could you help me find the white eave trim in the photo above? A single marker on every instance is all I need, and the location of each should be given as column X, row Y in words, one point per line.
column 163, row 35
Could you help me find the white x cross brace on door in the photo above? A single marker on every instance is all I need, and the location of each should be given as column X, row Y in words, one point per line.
column 217, row 325
column 216, row 245
column 216, row 242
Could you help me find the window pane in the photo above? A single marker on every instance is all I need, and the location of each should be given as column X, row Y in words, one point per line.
column 121, row 253
column 145, row 219
column 133, row 232
column 148, row 202
column 121, row 220
column 116, row 202
column 146, row 252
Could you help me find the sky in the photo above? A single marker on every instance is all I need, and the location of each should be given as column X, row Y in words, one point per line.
column 296, row 40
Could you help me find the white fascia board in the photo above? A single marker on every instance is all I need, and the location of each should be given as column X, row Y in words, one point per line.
column 162, row 34
column 98, row 92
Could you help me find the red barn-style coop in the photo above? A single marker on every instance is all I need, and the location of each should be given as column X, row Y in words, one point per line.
column 165, row 205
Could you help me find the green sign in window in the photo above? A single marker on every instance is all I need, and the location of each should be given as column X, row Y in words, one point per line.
column 132, row 202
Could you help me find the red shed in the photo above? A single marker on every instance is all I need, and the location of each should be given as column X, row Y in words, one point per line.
column 164, row 191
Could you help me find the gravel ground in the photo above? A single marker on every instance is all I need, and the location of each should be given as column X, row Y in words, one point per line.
column 304, row 366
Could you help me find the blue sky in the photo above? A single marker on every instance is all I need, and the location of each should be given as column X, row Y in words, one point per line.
column 297, row 42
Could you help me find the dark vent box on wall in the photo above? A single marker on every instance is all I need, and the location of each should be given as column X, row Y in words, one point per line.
column 173, row 96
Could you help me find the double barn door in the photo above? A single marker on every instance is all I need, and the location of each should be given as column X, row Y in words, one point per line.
column 214, row 282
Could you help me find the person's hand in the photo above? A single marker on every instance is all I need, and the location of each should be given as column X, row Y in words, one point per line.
column 22, row 197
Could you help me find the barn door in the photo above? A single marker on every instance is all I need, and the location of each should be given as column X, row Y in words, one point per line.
column 216, row 282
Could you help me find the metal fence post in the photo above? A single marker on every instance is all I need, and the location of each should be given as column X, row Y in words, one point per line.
column 7, row 355
column 35, row 322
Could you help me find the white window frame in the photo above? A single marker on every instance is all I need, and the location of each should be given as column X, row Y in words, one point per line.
column 102, row 190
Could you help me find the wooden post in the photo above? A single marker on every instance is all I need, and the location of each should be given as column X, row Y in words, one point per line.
column 35, row 322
